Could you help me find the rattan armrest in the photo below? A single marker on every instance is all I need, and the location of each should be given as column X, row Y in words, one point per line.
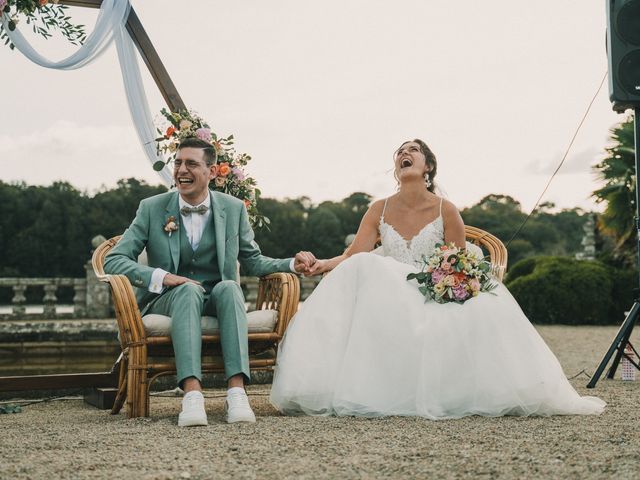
column 279, row 291
column 127, row 312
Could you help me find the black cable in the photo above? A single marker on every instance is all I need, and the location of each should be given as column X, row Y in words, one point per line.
column 582, row 372
column 564, row 157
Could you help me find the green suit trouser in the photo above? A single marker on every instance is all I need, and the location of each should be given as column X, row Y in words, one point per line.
column 186, row 304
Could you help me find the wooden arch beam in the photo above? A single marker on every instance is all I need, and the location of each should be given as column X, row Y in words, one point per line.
column 147, row 52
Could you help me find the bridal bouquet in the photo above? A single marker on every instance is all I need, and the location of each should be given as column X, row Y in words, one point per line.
column 452, row 274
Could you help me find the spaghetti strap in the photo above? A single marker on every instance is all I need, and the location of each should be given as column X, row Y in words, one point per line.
column 440, row 207
column 383, row 209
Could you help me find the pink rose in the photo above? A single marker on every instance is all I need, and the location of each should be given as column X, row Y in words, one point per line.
column 239, row 174
column 474, row 283
column 204, row 134
column 460, row 292
column 437, row 275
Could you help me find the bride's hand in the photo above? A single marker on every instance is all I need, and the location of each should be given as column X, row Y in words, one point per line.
column 318, row 268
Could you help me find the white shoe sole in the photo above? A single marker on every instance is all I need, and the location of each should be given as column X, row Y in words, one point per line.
column 192, row 421
column 246, row 416
column 241, row 418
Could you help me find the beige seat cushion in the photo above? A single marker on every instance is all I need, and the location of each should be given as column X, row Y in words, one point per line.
column 260, row 321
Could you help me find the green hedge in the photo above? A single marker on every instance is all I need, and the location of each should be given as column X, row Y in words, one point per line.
column 572, row 292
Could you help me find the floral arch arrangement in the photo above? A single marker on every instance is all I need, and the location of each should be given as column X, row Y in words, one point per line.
column 230, row 174
column 43, row 16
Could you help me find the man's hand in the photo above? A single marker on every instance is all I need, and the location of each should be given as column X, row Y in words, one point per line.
column 303, row 262
column 171, row 280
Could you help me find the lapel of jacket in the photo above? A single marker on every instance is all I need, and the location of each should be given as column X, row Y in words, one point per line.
column 173, row 210
column 219, row 217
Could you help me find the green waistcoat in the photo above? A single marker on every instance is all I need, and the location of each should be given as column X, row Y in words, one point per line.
column 197, row 264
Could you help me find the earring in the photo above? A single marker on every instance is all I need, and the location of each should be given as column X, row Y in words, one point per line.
column 427, row 180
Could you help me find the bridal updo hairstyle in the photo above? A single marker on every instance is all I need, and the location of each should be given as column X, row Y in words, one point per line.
column 430, row 159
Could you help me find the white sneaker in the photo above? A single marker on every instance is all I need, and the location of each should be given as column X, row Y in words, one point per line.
column 238, row 408
column 192, row 413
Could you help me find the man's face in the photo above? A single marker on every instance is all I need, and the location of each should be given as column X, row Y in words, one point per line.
column 192, row 174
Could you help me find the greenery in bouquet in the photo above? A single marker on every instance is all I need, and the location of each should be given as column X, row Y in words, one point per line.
column 43, row 16
column 452, row 274
column 230, row 178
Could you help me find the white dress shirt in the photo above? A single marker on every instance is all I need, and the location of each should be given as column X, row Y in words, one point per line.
column 194, row 226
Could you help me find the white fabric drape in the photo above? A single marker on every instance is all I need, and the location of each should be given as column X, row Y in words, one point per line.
column 110, row 25
column 137, row 100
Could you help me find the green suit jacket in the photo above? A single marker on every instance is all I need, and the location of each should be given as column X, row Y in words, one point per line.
column 234, row 243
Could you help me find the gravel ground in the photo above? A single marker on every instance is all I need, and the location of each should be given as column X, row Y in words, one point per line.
column 69, row 439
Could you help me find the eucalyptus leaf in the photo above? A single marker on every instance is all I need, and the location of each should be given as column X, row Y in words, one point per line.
column 158, row 166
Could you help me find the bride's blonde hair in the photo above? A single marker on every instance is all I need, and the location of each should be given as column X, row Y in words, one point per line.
column 430, row 159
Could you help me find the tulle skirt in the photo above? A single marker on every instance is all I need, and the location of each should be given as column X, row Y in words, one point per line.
column 365, row 343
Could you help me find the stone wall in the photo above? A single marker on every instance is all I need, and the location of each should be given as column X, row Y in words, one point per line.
column 91, row 297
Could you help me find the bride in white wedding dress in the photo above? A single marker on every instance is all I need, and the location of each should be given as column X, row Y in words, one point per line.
column 366, row 343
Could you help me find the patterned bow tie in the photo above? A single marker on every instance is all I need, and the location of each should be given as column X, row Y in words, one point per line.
column 201, row 209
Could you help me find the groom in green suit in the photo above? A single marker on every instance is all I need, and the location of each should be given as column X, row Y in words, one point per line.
column 195, row 238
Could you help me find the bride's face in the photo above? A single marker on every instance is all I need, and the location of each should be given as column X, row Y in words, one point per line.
column 410, row 162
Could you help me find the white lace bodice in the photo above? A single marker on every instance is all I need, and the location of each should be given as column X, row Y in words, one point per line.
column 411, row 251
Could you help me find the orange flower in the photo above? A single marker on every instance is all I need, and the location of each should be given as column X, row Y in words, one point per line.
column 42, row 3
column 224, row 169
column 170, row 131
column 247, row 204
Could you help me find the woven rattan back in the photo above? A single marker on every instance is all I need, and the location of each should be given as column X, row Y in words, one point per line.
column 492, row 245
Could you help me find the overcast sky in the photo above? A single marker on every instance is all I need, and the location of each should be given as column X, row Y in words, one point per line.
column 321, row 93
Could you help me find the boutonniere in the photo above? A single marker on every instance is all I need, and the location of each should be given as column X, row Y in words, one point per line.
column 171, row 225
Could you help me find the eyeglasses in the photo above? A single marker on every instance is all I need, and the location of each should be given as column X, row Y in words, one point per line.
column 190, row 164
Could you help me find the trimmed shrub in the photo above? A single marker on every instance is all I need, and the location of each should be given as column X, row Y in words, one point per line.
column 568, row 291
column 625, row 285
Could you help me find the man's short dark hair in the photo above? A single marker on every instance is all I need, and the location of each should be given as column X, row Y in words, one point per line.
column 210, row 156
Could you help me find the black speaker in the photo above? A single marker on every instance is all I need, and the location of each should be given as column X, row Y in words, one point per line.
column 623, row 52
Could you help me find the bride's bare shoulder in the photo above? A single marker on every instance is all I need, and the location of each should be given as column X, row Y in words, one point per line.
column 377, row 206
column 373, row 214
column 451, row 214
column 448, row 207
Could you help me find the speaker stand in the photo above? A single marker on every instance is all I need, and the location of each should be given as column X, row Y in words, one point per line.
column 622, row 338
column 619, row 343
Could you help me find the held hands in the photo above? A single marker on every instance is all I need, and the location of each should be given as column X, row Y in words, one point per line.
column 303, row 262
column 319, row 267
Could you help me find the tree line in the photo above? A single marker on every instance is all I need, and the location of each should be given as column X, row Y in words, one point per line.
column 47, row 231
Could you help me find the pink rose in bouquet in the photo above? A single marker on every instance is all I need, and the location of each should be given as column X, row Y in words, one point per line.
column 452, row 274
